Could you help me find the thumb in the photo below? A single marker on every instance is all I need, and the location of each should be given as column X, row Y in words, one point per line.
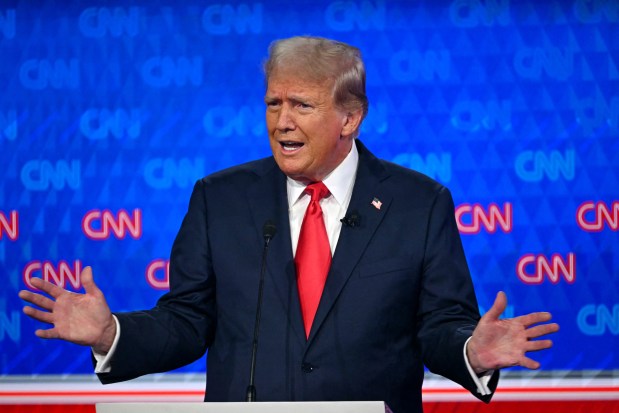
column 88, row 281
column 500, row 303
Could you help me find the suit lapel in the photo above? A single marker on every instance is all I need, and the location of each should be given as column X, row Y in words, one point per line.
column 268, row 200
column 354, row 240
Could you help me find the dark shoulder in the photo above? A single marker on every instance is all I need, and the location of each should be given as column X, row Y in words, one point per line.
column 414, row 190
column 239, row 175
column 401, row 181
column 405, row 178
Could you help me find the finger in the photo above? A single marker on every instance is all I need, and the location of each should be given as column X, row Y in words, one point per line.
column 39, row 315
column 46, row 286
column 529, row 363
column 542, row 330
column 538, row 345
column 36, row 299
column 500, row 303
column 533, row 318
column 49, row 333
column 88, row 281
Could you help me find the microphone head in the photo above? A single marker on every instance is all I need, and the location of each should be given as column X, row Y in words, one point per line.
column 351, row 220
column 268, row 230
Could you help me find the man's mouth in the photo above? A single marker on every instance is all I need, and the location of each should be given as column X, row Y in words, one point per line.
column 290, row 146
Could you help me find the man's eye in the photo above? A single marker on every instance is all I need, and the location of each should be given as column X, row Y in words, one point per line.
column 304, row 105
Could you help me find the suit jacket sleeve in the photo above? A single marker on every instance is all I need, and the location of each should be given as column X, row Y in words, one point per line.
column 448, row 311
column 181, row 326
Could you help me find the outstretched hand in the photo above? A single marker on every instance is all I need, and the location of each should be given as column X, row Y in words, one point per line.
column 498, row 343
column 82, row 319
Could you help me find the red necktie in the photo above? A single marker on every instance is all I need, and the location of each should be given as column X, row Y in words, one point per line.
column 313, row 257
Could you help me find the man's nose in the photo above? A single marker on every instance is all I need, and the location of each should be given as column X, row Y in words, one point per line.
column 285, row 118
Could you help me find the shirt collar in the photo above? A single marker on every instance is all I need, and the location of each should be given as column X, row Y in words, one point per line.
column 338, row 182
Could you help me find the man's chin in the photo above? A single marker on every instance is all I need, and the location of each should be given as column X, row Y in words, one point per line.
column 296, row 173
column 299, row 177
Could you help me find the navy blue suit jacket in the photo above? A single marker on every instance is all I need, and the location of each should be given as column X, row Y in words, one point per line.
column 398, row 295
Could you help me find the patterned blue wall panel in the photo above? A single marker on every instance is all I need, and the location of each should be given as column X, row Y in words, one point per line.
column 108, row 115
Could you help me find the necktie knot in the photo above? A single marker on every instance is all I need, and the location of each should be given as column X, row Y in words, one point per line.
column 317, row 191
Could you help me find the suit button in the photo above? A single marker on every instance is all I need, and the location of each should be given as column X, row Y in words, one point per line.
column 307, row 368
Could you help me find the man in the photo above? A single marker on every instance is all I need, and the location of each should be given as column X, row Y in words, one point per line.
column 366, row 277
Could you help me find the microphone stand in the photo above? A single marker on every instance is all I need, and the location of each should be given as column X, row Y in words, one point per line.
column 268, row 232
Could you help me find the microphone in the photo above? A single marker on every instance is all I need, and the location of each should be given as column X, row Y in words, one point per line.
column 351, row 220
column 268, row 232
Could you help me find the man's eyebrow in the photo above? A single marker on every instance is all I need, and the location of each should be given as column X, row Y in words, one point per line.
column 292, row 97
column 300, row 98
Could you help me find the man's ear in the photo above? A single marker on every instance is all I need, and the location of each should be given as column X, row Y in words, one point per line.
column 352, row 122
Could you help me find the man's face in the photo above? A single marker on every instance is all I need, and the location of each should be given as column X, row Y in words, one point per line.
column 309, row 136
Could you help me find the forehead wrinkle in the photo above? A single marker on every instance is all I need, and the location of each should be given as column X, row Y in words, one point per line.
column 312, row 94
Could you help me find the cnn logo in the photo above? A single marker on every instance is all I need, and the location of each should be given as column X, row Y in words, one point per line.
column 61, row 274
column 533, row 269
column 100, row 225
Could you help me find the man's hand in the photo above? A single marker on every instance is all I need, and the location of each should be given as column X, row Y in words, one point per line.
column 79, row 318
column 503, row 343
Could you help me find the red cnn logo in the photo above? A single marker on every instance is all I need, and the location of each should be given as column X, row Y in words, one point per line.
column 10, row 228
column 471, row 218
column 99, row 225
column 591, row 216
column 531, row 268
column 56, row 275
column 155, row 267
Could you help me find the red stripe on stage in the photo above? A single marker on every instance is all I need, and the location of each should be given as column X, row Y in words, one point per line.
column 580, row 406
column 549, row 390
column 102, row 393
column 535, row 390
column 47, row 408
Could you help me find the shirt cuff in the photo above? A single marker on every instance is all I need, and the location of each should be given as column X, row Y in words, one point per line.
column 481, row 381
column 104, row 361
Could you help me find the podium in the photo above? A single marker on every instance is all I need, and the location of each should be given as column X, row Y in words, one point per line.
column 256, row 407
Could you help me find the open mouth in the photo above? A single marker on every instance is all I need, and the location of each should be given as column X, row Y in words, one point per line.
column 290, row 146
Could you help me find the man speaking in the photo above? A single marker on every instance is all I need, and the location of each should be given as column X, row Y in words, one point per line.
column 365, row 276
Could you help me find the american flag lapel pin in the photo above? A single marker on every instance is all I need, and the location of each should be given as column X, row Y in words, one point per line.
column 376, row 203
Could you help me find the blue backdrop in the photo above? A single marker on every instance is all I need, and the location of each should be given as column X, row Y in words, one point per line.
column 109, row 112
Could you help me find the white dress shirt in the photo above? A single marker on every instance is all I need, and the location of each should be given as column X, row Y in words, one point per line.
column 339, row 183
